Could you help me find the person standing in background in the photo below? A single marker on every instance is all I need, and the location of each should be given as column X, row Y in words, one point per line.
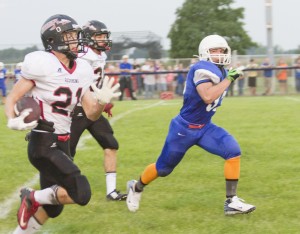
column 282, row 77
column 170, row 79
column 252, row 76
column 268, row 74
column 241, row 79
column 3, row 77
column 297, row 75
column 149, row 79
column 17, row 71
column 161, row 80
column 180, row 80
column 125, row 78
column 139, row 78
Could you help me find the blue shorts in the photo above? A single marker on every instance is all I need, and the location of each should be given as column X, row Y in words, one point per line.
column 183, row 135
column 3, row 87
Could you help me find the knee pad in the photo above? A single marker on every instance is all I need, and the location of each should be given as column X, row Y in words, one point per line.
column 164, row 169
column 79, row 189
column 233, row 152
column 53, row 210
column 167, row 162
column 108, row 141
column 232, row 148
column 164, row 172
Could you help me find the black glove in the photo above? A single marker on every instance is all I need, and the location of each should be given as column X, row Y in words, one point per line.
column 45, row 125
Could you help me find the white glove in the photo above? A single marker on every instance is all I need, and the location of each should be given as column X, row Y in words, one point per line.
column 240, row 70
column 18, row 122
column 107, row 91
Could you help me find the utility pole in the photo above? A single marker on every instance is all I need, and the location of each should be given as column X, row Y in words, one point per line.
column 270, row 51
column 269, row 27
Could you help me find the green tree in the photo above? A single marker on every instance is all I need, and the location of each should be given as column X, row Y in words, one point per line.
column 197, row 19
column 12, row 55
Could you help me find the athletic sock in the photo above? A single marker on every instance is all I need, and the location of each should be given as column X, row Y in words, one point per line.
column 33, row 227
column 111, row 181
column 139, row 186
column 231, row 187
column 232, row 174
column 46, row 196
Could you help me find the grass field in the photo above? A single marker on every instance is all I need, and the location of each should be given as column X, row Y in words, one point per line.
column 191, row 199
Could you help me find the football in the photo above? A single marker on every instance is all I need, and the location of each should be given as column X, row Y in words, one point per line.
column 25, row 103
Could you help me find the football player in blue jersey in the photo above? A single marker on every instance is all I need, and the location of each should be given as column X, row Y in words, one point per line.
column 206, row 85
column 3, row 72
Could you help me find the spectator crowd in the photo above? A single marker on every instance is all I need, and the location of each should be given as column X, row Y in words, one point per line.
column 156, row 79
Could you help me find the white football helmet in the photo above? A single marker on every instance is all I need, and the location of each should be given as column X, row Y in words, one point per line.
column 19, row 65
column 1, row 65
column 214, row 41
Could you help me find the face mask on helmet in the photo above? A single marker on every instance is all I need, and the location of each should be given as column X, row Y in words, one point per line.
column 97, row 35
column 214, row 42
column 61, row 33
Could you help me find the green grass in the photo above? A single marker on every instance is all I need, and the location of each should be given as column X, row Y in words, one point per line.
column 190, row 200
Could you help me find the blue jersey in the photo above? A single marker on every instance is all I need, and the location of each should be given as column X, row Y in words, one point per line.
column 194, row 109
column 268, row 73
column 3, row 73
column 193, row 125
column 17, row 74
column 2, row 81
column 125, row 66
column 297, row 73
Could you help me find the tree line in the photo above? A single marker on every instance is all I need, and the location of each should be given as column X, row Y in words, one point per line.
column 195, row 19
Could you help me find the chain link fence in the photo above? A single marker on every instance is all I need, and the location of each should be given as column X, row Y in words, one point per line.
column 181, row 66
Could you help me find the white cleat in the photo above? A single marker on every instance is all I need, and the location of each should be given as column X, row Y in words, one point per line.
column 237, row 205
column 133, row 198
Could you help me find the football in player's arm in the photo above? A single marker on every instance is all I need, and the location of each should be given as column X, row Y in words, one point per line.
column 57, row 80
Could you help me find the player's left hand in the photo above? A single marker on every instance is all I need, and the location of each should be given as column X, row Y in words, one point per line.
column 108, row 108
column 107, row 91
column 233, row 74
column 18, row 123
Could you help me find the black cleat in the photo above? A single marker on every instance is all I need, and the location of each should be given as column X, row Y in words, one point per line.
column 116, row 196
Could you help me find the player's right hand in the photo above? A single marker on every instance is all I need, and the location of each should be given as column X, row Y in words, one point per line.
column 233, row 74
column 17, row 123
column 107, row 91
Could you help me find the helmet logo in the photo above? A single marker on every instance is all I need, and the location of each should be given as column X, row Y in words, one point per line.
column 53, row 24
column 90, row 26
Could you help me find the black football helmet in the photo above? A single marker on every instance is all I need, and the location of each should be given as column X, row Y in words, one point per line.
column 93, row 28
column 52, row 33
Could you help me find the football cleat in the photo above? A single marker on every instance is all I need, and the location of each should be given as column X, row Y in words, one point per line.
column 133, row 197
column 116, row 196
column 28, row 207
column 237, row 205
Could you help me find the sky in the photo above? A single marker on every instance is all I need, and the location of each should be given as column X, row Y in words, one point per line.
column 20, row 21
